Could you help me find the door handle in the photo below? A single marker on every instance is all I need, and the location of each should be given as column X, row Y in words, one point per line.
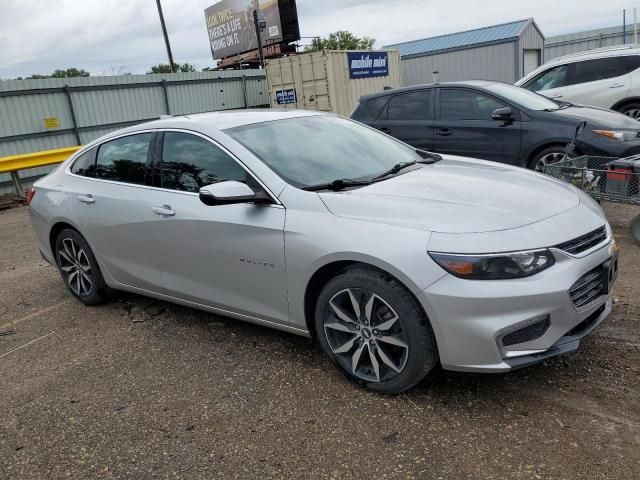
column 86, row 199
column 444, row 132
column 164, row 211
column 385, row 130
column 617, row 85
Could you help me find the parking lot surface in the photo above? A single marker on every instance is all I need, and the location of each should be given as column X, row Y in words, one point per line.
column 142, row 389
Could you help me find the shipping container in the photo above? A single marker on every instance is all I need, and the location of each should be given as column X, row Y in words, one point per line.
column 331, row 81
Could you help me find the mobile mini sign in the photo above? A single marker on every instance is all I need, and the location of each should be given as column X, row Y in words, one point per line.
column 287, row 96
column 368, row 64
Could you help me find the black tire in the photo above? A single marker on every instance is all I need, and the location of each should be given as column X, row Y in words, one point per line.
column 536, row 163
column 631, row 110
column 79, row 268
column 392, row 300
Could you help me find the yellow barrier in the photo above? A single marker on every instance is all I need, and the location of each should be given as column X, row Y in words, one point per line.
column 14, row 163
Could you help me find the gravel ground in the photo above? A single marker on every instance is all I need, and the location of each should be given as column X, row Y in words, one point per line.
column 141, row 389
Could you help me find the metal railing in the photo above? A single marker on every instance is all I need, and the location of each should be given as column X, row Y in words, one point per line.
column 14, row 163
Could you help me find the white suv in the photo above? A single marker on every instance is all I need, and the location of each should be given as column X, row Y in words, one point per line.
column 606, row 78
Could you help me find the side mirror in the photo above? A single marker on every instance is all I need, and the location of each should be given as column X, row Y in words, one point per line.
column 229, row 192
column 503, row 114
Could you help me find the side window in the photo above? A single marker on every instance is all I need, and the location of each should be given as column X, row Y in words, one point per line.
column 410, row 106
column 124, row 159
column 457, row 104
column 552, row 78
column 85, row 164
column 370, row 110
column 598, row 69
column 632, row 62
column 190, row 162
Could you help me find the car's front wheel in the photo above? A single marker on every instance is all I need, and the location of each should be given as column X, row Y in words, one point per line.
column 631, row 110
column 374, row 330
column 548, row 156
column 79, row 268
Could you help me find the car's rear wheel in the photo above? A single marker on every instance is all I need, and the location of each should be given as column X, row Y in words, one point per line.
column 631, row 110
column 79, row 268
column 548, row 156
column 374, row 330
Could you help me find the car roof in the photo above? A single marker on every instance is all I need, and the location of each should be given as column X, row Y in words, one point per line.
column 615, row 51
column 465, row 83
column 226, row 119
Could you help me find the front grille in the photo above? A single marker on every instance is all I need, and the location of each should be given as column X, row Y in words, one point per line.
column 584, row 242
column 588, row 287
column 528, row 333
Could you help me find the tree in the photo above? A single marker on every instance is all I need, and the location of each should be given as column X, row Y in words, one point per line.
column 68, row 73
column 341, row 40
column 164, row 68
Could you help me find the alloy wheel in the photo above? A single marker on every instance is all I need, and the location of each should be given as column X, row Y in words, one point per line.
column 366, row 335
column 548, row 159
column 633, row 113
column 75, row 265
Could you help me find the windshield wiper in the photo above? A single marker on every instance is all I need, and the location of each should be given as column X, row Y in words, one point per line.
column 336, row 185
column 428, row 157
column 393, row 170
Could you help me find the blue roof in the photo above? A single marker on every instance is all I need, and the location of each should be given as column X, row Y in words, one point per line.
column 495, row 33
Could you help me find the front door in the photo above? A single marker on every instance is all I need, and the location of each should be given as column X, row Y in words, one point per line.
column 464, row 126
column 225, row 256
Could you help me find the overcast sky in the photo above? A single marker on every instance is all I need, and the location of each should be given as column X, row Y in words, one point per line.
column 102, row 36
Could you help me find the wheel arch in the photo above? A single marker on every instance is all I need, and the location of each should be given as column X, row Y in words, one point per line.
column 625, row 101
column 329, row 270
column 55, row 231
column 544, row 146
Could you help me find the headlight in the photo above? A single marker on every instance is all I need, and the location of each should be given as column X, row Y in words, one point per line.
column 620, row 135
column 498, row 266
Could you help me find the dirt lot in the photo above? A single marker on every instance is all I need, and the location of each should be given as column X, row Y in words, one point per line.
column 139, row 389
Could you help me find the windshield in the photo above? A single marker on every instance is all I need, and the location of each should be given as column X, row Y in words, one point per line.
column 319, row 149
column 522, row 97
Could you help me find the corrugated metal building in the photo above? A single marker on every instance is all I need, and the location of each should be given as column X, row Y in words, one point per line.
column 53, row 113
column 503, row 52
column 588, row 40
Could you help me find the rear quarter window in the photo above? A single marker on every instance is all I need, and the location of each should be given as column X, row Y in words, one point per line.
column 370, row 110
column 85, row 164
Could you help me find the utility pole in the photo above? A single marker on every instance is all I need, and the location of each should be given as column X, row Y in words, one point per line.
column 166, row 37
column 259, row 26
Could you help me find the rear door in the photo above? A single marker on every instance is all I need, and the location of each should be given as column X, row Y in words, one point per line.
column 600, row 82
column 551, row 83
column 110, row 202
column 463, row 126
column 224, row 256
column 409, row 117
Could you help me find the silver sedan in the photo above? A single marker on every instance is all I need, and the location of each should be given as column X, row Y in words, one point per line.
column 393, row 258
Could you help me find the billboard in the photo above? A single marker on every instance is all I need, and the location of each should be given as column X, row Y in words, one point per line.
column 231, row 28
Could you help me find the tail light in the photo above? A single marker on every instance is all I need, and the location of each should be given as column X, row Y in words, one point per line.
column 31, row 192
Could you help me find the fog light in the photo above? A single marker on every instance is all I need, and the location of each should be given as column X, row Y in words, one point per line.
column 532, row 330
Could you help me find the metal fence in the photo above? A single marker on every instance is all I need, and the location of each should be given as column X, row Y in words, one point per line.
column 51, row 113
column 587, row 40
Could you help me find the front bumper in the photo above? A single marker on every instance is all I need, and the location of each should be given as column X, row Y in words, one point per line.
column 470, row 317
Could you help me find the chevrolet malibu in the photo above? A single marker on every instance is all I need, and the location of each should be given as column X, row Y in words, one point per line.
column 394, row 259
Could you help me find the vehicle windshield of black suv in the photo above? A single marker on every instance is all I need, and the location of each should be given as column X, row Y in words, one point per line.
column 522, row 97
column 318, row 150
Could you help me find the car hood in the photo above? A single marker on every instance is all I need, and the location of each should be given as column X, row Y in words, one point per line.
column 457, row 195
column 601, row 117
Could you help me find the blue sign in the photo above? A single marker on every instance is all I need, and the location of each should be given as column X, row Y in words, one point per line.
column 368, row 64
column 284, row 97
